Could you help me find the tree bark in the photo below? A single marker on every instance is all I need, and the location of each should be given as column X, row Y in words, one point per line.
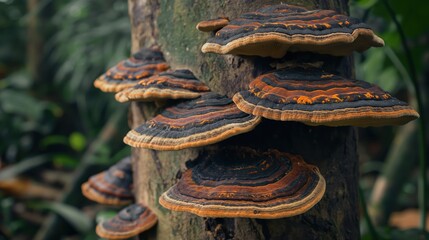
column 170, row 25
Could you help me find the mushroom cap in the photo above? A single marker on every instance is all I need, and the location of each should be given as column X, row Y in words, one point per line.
column 129, row 222
column 249, row 184
column 206, row 120
column 111, row 187
column 127, row 73
column 315, row 97
column 178, row 84
column 272, row 31
column 212, row 24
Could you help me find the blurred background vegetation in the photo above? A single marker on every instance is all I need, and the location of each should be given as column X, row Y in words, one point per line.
column 56, row 129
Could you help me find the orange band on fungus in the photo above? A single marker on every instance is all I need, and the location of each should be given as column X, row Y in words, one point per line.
column 127, row 73
column 178, row 84
column 205, row 120
column 314, row 97
column 246, row 183
column 273, row 31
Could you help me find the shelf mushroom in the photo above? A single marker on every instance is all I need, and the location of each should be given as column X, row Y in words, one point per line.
column 179, row 84
column 315, row 97
column 127, row 73
column 129, row 222
column 246, row 183
column 212, row 24
column 205, row 120
column 111, row 187
column 274, row 30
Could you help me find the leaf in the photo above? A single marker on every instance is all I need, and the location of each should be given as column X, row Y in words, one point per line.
column 23, row 166
column 81, row 222
column 18, row 102
column 372, row 66
column 77, row 141
column 388, row 80
column 63, row 160
column 19, row 79
column 53, row 140
column 102, row 155
column 366, row 3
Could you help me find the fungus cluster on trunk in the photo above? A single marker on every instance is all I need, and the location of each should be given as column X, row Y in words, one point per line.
column 243, row 182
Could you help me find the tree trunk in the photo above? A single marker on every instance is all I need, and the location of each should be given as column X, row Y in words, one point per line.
column 170, row 25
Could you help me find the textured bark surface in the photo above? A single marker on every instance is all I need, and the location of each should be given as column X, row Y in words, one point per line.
column 170, row 25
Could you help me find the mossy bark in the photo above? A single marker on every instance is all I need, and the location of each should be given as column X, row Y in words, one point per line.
column 170, row 25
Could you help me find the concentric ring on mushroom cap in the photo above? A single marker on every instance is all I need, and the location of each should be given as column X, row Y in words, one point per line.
column 246, row 183
column 274, row 30
column 129, row 222
column 178, row 84
column 315, row 97
column 127, row 73
column 206, row 120
column 113, row 186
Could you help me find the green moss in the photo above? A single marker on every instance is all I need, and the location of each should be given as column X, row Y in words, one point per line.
column 182, row 41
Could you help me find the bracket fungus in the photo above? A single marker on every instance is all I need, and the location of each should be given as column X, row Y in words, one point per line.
column 274, row 30
column 247, row 183
column 111, row 187
column 206, row 120
column 127, row 73
column 129, row 222
column 315, row 97
column 212, row 24
column 179, row 84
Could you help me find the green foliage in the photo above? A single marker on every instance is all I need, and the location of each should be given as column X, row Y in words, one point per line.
column 74, row 216
column 77, row 141
column 93, row 35
column 397, row 234
column 387, row 76
column 64, row 161
column 81, row 39
column 21, row 167
column 12, row 34
column 400, row 67
column 22, row 115
column 409, row 14
column 52, row 120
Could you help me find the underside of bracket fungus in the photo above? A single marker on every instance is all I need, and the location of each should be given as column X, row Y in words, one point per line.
column 127, row 73
column 212, row 24
column 206, row 120
column 129, row 222
column 111, row 187
column 273, row 31
column 179, row 84
column 246, row 183
column 315, row 97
